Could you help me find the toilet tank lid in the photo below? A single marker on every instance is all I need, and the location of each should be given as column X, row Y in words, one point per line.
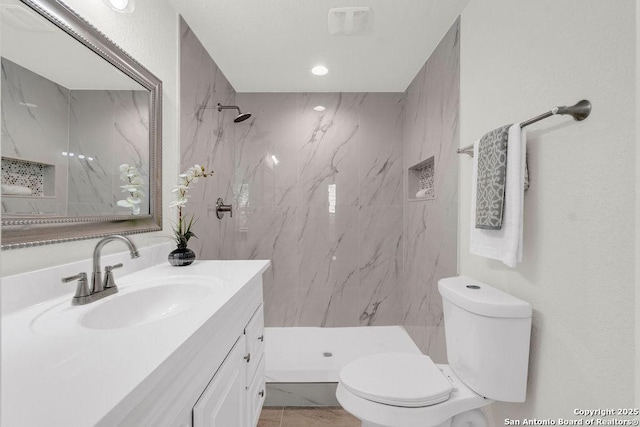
column 480, row 298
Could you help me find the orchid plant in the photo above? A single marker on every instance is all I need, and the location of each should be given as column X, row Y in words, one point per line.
column 183, row 229
column 133, row 186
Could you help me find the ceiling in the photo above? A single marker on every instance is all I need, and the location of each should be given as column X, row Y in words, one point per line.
column 271, row 45
column 32, row 42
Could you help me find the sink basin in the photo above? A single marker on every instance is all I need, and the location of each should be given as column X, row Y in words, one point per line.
column 137, row 303
column 144, row 306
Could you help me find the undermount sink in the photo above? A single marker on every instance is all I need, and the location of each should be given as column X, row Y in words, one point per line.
column 137, row 303
column 144, row 306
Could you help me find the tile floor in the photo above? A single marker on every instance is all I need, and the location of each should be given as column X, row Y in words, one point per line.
column 306, row 417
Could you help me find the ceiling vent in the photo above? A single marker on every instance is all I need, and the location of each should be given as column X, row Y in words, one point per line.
column 348, row 21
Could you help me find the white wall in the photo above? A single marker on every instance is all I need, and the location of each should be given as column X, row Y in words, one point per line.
column 150, row 35
column 518, row 59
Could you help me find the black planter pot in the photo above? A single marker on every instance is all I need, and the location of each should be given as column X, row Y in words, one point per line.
column 181, row 256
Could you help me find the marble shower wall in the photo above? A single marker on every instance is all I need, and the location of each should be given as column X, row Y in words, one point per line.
column 320, row 194
column 35, row 109
column 42, row 119
column 111, row 127
column 323, row 194
column 431, row 128
column 207, row 139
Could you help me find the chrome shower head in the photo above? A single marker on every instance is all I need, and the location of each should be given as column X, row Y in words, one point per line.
column 241, row 117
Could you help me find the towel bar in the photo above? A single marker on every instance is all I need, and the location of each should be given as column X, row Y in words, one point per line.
column 579, row 112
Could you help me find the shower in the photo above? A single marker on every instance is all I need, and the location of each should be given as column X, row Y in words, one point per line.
column 241, row 117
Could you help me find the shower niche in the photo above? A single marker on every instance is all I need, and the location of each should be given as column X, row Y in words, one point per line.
column 24, row 178
column 421, row 176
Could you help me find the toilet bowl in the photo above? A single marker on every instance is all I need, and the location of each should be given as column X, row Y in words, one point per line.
column 487, row 334
column 411, row 391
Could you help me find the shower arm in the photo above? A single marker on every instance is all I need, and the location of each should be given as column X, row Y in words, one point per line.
column 222, row 107
column 227, row 107
column 239, row 118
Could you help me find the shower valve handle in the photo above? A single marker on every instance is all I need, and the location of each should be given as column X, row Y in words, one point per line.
column 221, row 208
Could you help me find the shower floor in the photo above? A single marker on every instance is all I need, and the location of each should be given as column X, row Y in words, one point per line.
column 316, row 355
column 302, row 364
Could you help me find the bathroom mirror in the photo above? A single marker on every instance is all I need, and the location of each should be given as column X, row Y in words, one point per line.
column 81, row 130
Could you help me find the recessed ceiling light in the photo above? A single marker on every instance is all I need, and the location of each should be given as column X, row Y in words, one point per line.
column 319, row 70
column 319, row 108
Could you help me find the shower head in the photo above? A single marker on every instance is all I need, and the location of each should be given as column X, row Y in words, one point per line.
column 241, row 117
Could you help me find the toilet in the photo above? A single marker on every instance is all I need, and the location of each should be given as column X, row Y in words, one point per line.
column 487, row 332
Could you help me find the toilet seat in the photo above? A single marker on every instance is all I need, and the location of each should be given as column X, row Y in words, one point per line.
column 397, row 379
column 461, row 399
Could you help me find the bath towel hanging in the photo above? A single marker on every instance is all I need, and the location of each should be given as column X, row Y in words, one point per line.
column 504, row 244
column 492, row 174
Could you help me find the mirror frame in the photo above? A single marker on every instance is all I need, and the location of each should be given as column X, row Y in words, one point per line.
column 26, row 232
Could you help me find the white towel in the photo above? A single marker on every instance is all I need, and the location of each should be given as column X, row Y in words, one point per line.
column 505, row 244
column 16, row 190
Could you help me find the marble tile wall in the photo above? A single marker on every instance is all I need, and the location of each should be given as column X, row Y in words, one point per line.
column 35, row 110
column 42, row 119
column 322, row 194
column 431, row 129
column 112, row 128
column 131, row 137
column 319, row 193
column 207, row 138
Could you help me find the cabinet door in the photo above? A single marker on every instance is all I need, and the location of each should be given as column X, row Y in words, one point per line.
column 254, row 333
column 223, row 402
column 256, row 395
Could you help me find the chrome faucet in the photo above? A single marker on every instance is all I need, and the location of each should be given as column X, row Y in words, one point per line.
column 99, row 288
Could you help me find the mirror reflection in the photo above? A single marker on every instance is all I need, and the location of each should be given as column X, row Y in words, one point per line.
column 75, row 130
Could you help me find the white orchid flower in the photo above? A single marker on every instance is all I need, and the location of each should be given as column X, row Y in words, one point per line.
column 182, row 230
column 133, row 183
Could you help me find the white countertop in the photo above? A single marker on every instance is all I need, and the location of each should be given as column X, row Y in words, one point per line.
column 76, row 376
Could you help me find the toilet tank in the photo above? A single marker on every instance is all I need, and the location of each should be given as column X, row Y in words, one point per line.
column 487, row 333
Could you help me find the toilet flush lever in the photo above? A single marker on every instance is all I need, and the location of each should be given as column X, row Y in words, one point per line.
column 221, row 208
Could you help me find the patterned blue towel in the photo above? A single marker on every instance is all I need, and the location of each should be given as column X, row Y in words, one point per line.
column 492, row 173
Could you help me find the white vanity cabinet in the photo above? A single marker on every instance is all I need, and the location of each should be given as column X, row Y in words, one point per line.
column 235, row 395
column 255, row 385
column 200, row 362
column 214, row 379
column 223, row 401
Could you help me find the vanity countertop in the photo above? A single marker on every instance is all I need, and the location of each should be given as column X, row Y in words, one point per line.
column 55, row 372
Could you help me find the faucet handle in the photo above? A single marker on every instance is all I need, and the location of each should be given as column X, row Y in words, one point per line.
column 108, row 276
column 82, row 289
column 79, row 276
column 108, row 268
